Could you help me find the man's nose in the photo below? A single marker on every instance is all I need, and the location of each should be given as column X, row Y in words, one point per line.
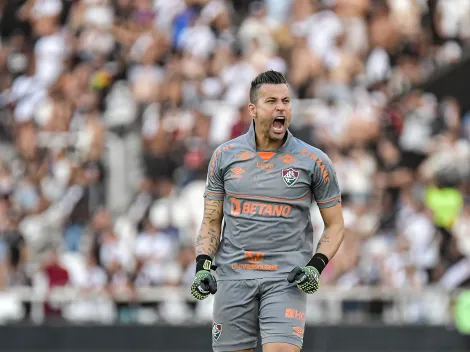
column 280, row 106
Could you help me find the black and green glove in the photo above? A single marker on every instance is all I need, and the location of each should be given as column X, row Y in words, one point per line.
column 307, row 277
column 204, row 283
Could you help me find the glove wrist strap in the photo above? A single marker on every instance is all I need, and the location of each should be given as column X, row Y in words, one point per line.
column 203, row 262
column 318, row 261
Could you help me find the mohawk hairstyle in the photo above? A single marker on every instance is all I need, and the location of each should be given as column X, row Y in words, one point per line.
column 268, row 77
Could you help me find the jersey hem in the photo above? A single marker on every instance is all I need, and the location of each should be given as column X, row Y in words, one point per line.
column 329, row 202
column 214, row 195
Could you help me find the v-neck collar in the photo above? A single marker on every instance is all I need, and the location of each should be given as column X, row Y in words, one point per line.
column 251, row 139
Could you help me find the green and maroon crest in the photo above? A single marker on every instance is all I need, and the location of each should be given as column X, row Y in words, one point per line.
column 290, row 176
column 216, row 330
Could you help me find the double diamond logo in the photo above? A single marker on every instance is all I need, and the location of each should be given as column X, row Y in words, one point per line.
column 237, row 172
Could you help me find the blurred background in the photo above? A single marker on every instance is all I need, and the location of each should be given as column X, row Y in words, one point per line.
column 111, row 109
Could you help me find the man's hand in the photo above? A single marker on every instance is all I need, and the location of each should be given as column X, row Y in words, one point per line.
column 307, row 278
column 203, row 285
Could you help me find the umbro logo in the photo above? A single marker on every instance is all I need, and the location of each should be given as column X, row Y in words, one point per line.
column 237, row 172
column 287, row 158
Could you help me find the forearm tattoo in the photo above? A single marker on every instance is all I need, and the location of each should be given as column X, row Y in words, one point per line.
column 207, row 242
column 323, row 240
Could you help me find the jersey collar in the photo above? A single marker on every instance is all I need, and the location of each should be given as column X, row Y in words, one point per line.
column 251, row 139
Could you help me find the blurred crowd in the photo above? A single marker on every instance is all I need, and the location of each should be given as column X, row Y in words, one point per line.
column 111, row 109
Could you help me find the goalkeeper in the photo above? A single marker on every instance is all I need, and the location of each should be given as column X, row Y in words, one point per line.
column 263, row 184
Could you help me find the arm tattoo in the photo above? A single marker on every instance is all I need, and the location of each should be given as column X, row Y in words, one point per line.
column 323, row 240
column 208, row 240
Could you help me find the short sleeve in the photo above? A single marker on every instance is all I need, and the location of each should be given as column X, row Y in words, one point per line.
column 215, row 189
column 325, row 185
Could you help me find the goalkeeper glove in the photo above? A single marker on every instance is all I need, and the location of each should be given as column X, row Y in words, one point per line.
column 307, row 278
column 204, row 283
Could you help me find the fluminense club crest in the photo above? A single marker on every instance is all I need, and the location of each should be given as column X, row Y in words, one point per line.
column 290, row 176
column 216, row 330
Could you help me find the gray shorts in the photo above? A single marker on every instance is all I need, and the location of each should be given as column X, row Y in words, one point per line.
column 243, row 309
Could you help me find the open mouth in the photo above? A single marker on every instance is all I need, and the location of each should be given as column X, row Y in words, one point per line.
column 278, row 124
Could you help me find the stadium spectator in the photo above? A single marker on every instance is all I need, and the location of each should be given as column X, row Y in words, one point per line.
column 56, row 277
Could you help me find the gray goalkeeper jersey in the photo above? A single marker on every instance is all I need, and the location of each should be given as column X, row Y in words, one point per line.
column 267, row 196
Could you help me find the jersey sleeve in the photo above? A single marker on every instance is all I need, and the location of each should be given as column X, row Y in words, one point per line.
column 325, row 185
column 215, row 189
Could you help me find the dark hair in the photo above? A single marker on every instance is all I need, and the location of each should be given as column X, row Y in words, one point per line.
column 268, row 77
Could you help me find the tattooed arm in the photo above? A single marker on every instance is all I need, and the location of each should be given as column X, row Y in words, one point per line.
column 327, row 195
column 334, row 234
column 208, row 240
column 207, row 244
column 307, row 277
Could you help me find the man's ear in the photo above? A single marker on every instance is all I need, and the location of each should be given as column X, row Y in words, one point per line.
column 252, row 110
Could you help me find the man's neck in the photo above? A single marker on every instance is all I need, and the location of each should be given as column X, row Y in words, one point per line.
column 267, row 144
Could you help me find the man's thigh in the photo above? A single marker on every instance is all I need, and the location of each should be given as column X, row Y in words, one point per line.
column 282, row 313
column 235, row 326
column 280, row 347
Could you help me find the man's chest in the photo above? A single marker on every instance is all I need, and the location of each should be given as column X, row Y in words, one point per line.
column 273, row 176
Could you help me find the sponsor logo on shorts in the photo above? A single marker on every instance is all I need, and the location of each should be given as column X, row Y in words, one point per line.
column 238, row 207
column 295, row 314
column 290, row 176
column 216, row 330
column 298, row 331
